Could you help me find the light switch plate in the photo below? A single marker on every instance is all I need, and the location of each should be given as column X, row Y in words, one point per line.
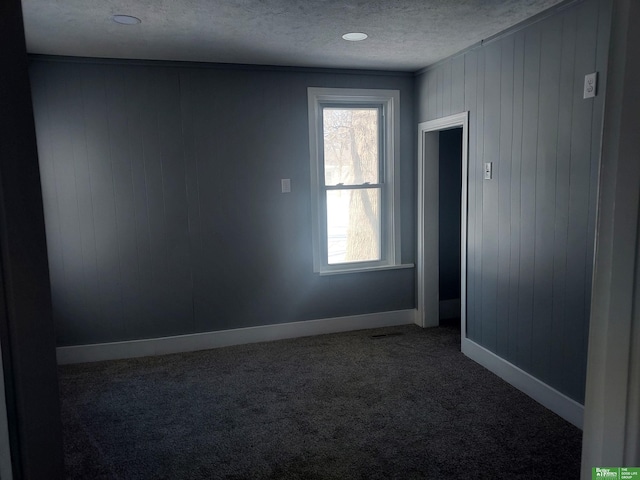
column 286, row 185
column 590, row 85
column 488, row 170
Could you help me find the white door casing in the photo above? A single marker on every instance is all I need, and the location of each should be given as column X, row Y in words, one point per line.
column 427, row 313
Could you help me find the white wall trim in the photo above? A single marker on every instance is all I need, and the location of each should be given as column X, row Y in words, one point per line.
column 542, row 393
column 450, row 308
column 224, row 338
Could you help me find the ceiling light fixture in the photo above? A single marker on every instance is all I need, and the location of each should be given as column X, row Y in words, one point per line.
column 354, row 36
column 126, row 19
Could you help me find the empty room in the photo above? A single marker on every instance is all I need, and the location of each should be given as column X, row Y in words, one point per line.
column 339, row 239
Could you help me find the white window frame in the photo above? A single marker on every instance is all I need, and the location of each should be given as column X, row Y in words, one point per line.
column 390, row 235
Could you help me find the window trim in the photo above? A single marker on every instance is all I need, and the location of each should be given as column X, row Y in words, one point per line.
column 389, row 100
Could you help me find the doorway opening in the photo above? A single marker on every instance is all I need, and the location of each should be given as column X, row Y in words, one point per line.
column 442, row 221
column 449, row 223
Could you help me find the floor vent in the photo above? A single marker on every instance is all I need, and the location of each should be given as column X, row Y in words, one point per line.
column 384, row 335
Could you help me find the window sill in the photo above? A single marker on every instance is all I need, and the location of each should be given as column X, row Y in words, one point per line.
column 366, row 269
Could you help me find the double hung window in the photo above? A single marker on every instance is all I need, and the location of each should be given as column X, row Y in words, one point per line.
column 354, row 179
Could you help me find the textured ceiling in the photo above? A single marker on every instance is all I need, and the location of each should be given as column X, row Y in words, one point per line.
column 404, row 35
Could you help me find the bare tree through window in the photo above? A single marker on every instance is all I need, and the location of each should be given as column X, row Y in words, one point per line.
column 353, row 184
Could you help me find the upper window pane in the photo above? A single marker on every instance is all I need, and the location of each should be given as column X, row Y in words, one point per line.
column 351, row 143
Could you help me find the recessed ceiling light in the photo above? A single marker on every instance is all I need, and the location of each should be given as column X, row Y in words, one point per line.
column 126, row 19
column 355, row 36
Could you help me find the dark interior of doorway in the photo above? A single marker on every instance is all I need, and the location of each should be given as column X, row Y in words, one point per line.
column 450, row 198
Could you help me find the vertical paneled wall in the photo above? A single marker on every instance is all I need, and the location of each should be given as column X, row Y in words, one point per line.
column 163, row 209
column 531, row 228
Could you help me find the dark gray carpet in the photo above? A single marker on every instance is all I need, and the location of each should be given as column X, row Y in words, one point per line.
column 342, row 406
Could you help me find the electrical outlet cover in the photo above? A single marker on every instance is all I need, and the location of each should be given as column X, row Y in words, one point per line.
column 590, row 85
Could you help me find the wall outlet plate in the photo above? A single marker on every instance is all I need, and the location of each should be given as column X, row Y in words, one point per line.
column 590, row 85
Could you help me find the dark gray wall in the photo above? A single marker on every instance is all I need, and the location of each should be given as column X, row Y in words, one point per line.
column 531, row 228
column 26, row 324
column 449, row 192
column 162, row 199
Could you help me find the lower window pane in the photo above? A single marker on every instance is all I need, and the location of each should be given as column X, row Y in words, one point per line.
column 353, row 225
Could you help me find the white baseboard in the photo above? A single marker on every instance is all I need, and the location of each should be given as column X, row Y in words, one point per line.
column 449, row 309
column 224, row 338
column 549, row 397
